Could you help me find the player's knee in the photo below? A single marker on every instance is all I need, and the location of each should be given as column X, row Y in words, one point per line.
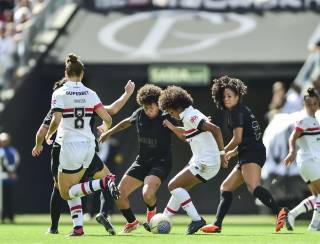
column 225, row 187
column 64, row 195
column 171, row 185
column 148, row 196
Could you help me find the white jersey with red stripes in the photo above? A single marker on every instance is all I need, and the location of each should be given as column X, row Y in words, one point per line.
column 309, row 141
column 202, row 143
column 77, row 104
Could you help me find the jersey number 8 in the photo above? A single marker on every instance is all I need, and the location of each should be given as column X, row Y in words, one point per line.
column 79, row 114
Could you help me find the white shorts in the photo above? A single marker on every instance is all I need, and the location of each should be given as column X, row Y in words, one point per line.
column 309, row 170
column 203, row 171
column 75, row 156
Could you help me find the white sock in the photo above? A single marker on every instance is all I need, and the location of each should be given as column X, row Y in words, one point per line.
column 172, row 207
column 305, row 206
column 315, row 222
column 183, row 197
column 76, row 211
column 86, row 188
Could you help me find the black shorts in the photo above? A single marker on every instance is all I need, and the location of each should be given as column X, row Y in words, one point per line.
column 252, row 155
column 159, row 167
column 95, row 166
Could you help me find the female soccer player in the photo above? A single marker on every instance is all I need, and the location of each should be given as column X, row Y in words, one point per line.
column 73, row 106
column 247, row 143
column 153, row 163
column 307, row 136
column 95, row 166
column 207, row 147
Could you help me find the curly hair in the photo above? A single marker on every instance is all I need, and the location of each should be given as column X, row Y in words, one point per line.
column 148, row 94
column 311, row 92
column 59, row 84
column 174, row 97
column 226, row 82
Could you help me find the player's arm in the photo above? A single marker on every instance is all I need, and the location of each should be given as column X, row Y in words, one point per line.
column 40, row 136
column 178, row 131
column 124, row 124
column 216, row 132
column 117, row 105
column 235, row 140
column 289, row 159
column 103, row 114
column 56, row 119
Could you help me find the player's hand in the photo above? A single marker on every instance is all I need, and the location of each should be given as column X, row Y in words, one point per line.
column 224, row 161
column 129, row 88
column 104, row 136
column 290, row 158
column 36, row 151
column 48, row 140
column 102, row 128
column 231, row 154
column 167, row 123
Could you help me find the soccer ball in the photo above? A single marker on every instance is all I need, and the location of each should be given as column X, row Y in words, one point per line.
column 160, row 224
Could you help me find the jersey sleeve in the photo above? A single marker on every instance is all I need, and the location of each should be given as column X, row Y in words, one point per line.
column 57, row 103
column 300, row 126
column 97, row 102
column 195, row 120
column 237, row 118
column 134, row 116
column 47, row 119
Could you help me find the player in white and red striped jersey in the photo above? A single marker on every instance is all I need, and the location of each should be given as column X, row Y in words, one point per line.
column 306, row 136
column 72, row 106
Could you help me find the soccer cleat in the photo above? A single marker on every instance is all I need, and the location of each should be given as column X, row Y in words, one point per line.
column 77, row 232
column 52, row 231
column 147, row 226
column 290, row 221
column 115, row 193
column 101, row 219
column 130, row 226
column 313, row 228
column 281, row 218
column 194, row 226
column 150, row 214
column 211, row 229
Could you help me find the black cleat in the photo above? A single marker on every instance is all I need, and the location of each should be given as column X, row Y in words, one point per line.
column 52, row 231
column 194, row 226
column 146, row 226
column 101, row 219
column 115, row 193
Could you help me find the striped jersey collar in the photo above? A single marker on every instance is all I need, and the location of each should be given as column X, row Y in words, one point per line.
column 181, row 115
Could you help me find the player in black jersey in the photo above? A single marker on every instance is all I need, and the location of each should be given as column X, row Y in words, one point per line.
column 153, row 163
column 96, row 166
column 247, row 143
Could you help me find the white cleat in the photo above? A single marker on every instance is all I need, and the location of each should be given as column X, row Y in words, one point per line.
column 290, row 222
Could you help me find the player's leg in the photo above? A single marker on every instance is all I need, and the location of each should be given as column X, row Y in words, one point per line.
column 315, row 222
column 252, row 176
column 127, row 185
column 228, row 186
column 149, row 190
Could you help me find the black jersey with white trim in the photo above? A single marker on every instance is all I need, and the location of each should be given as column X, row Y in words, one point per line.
column 242, row 117
column 154, row 139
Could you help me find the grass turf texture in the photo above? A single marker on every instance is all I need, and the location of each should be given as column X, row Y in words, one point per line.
column 237, row 229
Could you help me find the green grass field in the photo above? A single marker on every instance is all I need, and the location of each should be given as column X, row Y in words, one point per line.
column 237, row 229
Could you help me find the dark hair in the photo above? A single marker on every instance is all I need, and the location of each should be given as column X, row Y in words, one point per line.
column 148, row 94
column 74, row 66
column 226, row 82
column 174, row 97
column 311, row 92
column 59, row 84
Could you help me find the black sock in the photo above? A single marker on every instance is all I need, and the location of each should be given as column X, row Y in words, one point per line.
column 128, row 214
column 150, row 208
column 55, row 208
column 265, row 197
column 224, row 206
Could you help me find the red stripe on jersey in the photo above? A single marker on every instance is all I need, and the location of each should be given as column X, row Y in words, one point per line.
column 66, row 110
column 99, row 105
column 76, row 207
column 189, row 131
column 298, row 129
column 313, row 129
column 186, row 202
column 89, row 109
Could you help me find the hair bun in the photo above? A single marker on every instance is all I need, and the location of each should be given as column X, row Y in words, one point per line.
column 72, row 58
column 312, row 92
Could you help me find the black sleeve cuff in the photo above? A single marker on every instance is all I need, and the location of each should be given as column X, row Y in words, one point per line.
column 200, row 124
column 57, row 110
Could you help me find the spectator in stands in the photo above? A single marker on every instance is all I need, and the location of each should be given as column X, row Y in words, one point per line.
column 278, row 99
column 10, row 164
